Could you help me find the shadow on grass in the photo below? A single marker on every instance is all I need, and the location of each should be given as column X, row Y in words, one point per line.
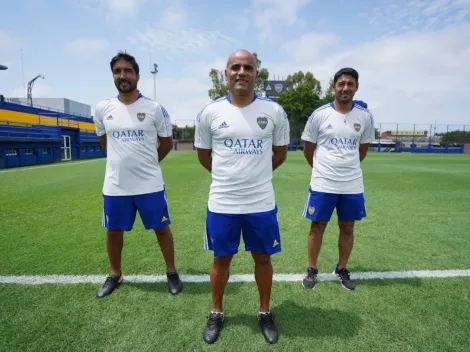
column 190, row 288
column 294, row 320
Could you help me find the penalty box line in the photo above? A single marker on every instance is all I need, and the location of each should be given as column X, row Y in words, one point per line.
column 98, row 279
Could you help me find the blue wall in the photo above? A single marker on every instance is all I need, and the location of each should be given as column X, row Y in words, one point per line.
column 36, row 145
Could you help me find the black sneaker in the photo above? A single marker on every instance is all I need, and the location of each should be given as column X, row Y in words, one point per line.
column 268, row 327
column 174, row 283
column 344, row 277
column 213, row 327
column 310, row 278
column 112, row 282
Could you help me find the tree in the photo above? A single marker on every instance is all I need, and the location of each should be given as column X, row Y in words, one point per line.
column 220, row 87
column 299, row 103
column 263, row 76
column 299, row 78
column 454, row 137
column 303, row 96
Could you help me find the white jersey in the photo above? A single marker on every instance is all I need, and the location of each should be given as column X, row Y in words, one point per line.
column 337, row 168
column 241, row 140
column 132, row 133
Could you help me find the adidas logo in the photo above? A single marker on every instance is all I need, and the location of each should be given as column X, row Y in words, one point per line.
column 329, row 127
column 223, row 125
column 164, row 218
column 110, row 117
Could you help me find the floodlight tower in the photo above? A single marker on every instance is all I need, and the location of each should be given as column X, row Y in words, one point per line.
column 30, row 89
column 154, row 73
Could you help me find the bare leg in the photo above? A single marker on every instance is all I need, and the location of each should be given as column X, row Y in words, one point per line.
column 114, row 244
column 315, row 239
column 219, row 277
column 264, row 279
column 165, row 241
column 345, row 242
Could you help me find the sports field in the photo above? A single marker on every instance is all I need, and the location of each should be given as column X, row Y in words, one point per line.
column 418, row 220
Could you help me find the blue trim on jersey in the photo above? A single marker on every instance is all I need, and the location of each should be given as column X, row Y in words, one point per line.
column 352, row 107
column 255, row 96
column 164, row 112
column 138, row 97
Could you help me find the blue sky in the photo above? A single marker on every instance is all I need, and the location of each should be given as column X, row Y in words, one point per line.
column 413, row 57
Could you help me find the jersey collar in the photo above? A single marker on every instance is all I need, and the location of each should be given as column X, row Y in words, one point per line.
column 138, row 97
column 332, row 104
column 255, row 96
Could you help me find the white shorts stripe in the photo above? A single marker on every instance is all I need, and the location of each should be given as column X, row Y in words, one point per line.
column 307, row 202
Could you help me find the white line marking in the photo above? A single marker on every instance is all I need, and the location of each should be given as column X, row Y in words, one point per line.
column 99, row 279
column 62, row 163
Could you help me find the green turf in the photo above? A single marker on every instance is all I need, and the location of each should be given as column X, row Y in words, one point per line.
column 405, row 315
column 418, row 218
column 417, row 205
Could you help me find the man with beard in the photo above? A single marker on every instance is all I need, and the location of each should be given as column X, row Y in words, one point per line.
column 136, row 133
column 241, row 139
column 337, row 138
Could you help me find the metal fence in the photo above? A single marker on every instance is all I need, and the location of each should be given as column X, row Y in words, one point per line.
column 406, row 133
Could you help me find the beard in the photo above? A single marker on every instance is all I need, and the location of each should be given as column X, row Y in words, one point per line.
column 125, row 86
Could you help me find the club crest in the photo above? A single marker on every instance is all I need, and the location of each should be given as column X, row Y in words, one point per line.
column 357, row 127
column 311, row 210
column 141, row 116
column 262, row 122
column 278, row 87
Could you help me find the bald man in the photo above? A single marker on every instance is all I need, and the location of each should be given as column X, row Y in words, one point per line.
column 241, row 139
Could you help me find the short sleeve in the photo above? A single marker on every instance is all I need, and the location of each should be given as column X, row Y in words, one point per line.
column 310, row 133
column 98, row 121
column 203, row 131
column 163, row 122
column 281, row 135
column 368, row 135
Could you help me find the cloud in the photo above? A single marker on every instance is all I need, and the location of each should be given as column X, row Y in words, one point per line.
column 412, row 77
column 309, row 46
column 8, row 43
column 271, row 14
column 417, row 15
column 40, row 90
column 174, row 16
column 110, row 10
column 86, row 47
column 178, row 41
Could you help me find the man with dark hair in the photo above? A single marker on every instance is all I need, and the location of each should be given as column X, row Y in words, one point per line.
column 241, row 139
column 136, row 133
column 337, row 138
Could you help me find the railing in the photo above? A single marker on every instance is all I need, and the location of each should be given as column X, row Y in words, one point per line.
column 19, row 102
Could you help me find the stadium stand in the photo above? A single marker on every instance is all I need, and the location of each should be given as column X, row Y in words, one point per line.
column 33, row 136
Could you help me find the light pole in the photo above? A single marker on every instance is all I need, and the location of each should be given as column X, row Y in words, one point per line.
column 154, row 73
column 30, row 89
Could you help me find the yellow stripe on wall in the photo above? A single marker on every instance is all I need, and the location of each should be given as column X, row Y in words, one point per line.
column 32, row 119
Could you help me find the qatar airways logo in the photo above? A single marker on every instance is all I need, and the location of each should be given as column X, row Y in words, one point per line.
column 129, row 136
column 245, row 146
column 344, row 143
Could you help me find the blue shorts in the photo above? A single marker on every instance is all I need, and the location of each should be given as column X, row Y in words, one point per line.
column 119, row 212
column 349, row 207
column 260, row 233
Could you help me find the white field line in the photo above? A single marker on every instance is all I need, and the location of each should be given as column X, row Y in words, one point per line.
column 99, row 279
column 63, row 163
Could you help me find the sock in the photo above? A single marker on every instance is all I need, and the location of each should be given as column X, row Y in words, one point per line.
column 221, row 313
column 259, row 313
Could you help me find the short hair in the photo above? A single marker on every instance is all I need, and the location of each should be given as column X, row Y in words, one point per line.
column 346, row 71
column 122, row 55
